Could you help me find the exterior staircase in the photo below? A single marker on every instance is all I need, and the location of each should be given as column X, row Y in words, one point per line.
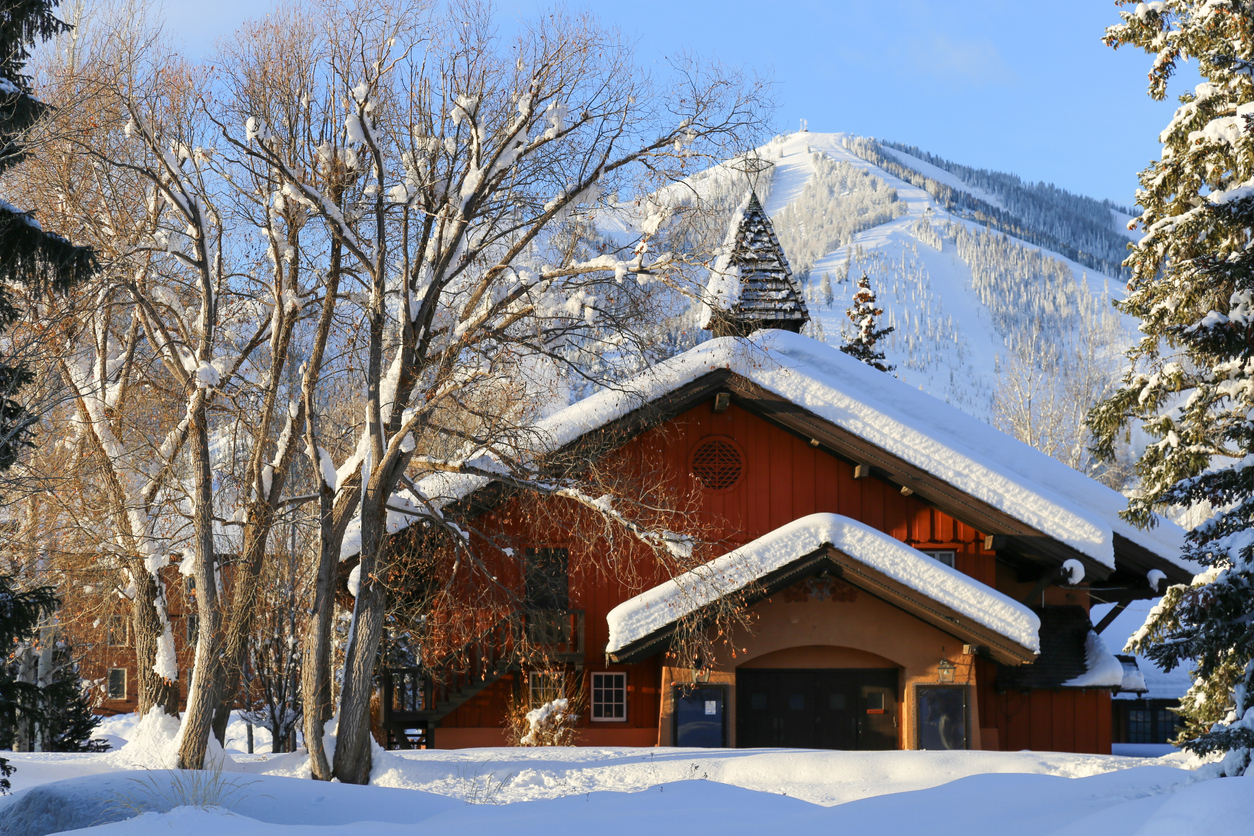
column 415, row 700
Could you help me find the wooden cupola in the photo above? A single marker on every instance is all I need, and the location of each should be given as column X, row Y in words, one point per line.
column 751, row 285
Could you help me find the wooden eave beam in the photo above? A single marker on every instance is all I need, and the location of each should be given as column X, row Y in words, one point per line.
column 1136, row 558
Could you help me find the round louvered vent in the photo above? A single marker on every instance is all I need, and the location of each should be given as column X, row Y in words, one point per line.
column 718, row 463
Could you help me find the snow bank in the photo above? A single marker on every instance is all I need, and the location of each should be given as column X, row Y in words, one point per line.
column 959, row 450
column 621, row 791
column 668, row 602
column 153, row 743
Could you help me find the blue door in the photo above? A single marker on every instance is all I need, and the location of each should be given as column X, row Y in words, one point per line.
column 700, row 715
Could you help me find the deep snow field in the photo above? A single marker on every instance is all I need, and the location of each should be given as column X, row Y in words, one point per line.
column 620, row 791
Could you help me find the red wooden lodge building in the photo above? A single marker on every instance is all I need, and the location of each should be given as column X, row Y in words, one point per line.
column 915, row 579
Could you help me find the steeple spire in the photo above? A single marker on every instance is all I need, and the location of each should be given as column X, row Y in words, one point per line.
column 751, row 285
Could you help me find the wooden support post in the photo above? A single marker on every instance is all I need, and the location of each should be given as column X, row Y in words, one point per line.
column 1112, row 615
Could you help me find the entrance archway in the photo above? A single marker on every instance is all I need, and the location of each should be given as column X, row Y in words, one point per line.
column 802, row 705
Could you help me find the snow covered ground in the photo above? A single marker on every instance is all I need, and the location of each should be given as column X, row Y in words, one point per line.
column 622, row 790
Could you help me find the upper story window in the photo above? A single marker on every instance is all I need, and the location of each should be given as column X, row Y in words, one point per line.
column 947, row 556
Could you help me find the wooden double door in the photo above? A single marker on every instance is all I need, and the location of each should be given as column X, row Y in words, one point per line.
column 822, row 708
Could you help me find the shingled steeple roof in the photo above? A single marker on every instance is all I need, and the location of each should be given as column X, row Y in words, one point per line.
column 751, row 285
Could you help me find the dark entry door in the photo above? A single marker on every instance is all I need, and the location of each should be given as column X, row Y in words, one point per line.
column 700, row 715
column 817, row 709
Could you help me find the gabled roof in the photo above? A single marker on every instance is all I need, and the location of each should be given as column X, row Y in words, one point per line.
column 863, row 556
column 751, row 285
column 964, row 466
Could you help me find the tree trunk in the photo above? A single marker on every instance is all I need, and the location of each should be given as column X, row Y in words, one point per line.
column 207, row 673
column 147, row 627
column 352, row 741
column 239, row 623
column 315, row 670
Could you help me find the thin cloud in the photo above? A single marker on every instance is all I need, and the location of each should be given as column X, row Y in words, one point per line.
column 969, row 62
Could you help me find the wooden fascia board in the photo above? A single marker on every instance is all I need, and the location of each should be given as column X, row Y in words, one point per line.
column 956, row 503
column 1141, row 560
column 869, row 580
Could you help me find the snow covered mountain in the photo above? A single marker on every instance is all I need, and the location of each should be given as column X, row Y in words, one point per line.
column 971, row 267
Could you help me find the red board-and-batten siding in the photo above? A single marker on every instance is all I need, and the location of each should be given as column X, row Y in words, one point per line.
column 786, row 478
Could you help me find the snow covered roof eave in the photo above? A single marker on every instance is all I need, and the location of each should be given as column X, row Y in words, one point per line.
column 979, row 468
column 860, row 555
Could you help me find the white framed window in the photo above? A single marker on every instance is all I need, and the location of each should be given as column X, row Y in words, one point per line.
column 609, row 697
column 117, row 684
column 948, row 557
column 545, row 686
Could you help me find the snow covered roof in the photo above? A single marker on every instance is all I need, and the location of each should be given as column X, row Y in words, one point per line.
column 751, row 285
column 946, row 443
column 1133, row 679
column 667, row 603
column 1101, row 669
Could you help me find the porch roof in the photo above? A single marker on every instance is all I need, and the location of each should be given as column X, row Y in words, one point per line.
column 863, row 556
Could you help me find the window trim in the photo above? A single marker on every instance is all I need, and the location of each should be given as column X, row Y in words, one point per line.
column 592, row 692
column 109, row 685
column 558, row 678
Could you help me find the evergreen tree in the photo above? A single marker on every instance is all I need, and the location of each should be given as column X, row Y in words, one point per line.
column 1191, row 384
column 865, row 317
column 825, row 290
column 20, row 613
column 39, row 260
column 29, row 255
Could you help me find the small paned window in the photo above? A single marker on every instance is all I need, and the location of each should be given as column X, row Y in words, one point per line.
column 1152, row 724
column 609, row 697
column 948, row 557
column 1166, row 725
column 546, row 687
column 192, row 623
column 117, row 631
column 117, row 683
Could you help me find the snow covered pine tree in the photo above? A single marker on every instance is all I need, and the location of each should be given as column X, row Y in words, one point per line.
column 865, row 317
column 29, row 255
column 1191, row 383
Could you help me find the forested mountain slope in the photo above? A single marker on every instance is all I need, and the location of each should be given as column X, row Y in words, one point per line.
column 985, row 278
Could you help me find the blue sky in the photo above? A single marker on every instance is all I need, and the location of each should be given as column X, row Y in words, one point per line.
column 1003, row 84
